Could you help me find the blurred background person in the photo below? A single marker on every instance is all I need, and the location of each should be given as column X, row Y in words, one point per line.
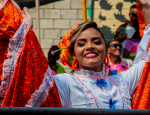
column 128, row 35
column 131, row 46
column 117, row 64
column 52, row 60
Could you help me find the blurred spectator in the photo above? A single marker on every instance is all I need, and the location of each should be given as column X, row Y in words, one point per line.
column 127, row 31
column 116, row 64
column 52, row 60
column 130, row 48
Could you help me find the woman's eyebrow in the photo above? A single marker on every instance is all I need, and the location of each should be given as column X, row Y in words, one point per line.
column 96, row 38
column 82, row 39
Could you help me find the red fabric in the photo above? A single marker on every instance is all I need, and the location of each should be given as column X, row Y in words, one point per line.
column 142, row 95
column 31, row 65
column 140, row 19
column 53, row 99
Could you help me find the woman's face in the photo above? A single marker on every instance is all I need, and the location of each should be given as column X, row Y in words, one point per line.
column 114, row 49
column 90, row 50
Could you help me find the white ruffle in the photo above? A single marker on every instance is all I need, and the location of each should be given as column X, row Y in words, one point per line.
column 14, row 50
column 119, row 80
column 3, row 3
column 40, row 95
column 90, row 73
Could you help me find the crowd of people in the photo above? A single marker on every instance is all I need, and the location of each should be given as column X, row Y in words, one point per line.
column 103, row 76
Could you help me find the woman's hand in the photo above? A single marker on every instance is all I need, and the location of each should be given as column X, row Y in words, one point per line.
column 26, row 15
column 121, row 37
column 144, row 3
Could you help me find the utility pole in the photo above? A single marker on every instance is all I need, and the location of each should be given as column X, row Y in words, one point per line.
column 84, row 10
column 37, row 20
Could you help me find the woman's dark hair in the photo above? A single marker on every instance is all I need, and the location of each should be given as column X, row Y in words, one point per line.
column 133, row 6
column 137, row 33
column 53, row 58
column 80, row 28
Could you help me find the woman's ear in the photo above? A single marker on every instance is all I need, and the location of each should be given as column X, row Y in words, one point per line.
column 74, row 56
column 108, row 50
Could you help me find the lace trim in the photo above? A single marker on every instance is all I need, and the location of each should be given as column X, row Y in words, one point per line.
column 90, row 73
column 14, row 50
column 146, row 58
column 125, row 91
column 2, row 3
column 40, row 95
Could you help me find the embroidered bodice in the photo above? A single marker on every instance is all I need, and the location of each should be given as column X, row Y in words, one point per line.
column 89, row 89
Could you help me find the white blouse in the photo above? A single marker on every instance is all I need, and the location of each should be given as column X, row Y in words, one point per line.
column 89, row 89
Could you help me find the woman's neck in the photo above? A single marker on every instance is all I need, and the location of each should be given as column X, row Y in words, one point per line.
column 131, row 24
column 94, row 68
column 115, row 60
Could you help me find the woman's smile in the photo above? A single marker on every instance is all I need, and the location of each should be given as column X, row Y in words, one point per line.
column 91, row 55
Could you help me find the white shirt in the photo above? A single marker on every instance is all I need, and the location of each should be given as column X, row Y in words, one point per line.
column 130, row 32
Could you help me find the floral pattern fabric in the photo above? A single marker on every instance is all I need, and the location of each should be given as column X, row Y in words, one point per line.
column 22, row 54
column 114, row 69
column 141, row 98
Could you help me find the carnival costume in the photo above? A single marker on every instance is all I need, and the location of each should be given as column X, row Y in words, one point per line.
column 83, row 89
column 141, row 98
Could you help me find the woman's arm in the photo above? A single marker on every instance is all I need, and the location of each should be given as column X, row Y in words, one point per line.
column 126, row 54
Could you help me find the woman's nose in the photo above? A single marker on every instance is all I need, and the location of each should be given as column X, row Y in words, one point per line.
column 118, row 47
column 89, row 46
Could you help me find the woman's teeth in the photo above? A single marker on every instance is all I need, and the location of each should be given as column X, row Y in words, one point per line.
column 117, row 51
column 91, row 55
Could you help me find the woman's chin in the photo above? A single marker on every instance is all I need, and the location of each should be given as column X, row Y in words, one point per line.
column 91, row 65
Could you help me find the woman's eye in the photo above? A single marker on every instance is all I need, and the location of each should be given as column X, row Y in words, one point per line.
column 97, row 42
column 81, row 44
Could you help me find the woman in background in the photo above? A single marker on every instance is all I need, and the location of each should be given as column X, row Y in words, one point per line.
column 52, row 60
